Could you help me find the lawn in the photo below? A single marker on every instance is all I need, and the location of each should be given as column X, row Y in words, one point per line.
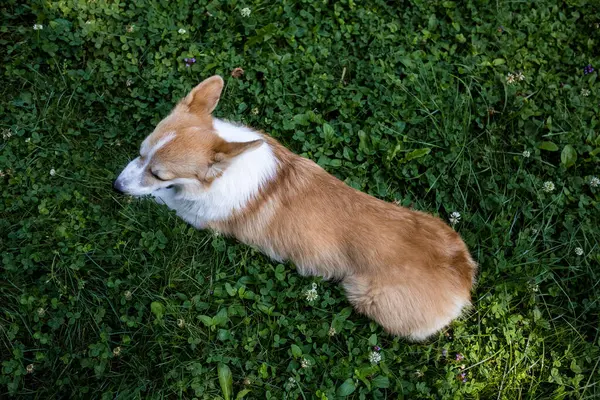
column 485, row 109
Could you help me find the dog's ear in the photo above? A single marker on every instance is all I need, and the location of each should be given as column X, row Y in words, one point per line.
column 224, row 153
column 204, row 98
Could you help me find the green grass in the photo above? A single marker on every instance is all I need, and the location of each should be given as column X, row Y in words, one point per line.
column 106, row 296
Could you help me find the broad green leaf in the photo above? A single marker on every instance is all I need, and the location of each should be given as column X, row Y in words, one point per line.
column 381, row 382
column 373, row 340
column 568, row 157
column 417, row 153
column 346, row 388
column 221, row 318
column 241, row 394
column 230, row 290
column 206, row 320
column 550, row 146
column 328, row 133
column 296, row 351
column 225, row 380
column 499, row 61
column 157, row 309
column 224, row 335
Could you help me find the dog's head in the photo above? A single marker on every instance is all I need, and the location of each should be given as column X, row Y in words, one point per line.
column 183, row 151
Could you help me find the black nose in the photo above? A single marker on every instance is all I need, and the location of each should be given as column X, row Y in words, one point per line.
column 118, row 187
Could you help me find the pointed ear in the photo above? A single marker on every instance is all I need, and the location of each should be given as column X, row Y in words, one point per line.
column 224, row 154
column 204, row 98
column 228, row 150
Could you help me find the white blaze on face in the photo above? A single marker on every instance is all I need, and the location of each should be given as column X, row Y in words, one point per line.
column 131, row 180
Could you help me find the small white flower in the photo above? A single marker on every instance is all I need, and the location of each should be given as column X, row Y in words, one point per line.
column 129, row 82
column 579, row 251
column 526, row 153
column 305, row 363
column 374, row 357
column 130, row 28
column 117, row 351
column 332, row 331
column 128, row 295
column 534, row 287
column 513, row 78
column 38, row 27
column 255, row 111
column 181, row 31
column 454, row 218
column 28, row 140
column 6, row 133
column 2, row 174
column 594, row 181
column 291, row 382
column 30, row 368
column 88, row 22
column 41, row 312
column 585, row 92
column 52, row 172
column 245, row 12
column 548, row 187
column 510, row 79
column 181, row 322
column 311, row 294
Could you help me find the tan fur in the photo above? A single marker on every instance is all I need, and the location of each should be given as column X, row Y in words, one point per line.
column 407, row 270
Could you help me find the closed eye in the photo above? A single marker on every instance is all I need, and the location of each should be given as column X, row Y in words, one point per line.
column 156, row 176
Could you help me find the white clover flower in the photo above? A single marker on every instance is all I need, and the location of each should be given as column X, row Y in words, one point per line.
column 38, row 27
column 513, row 78
column 579, row 251
column 128, row 295
column 130, row 28
column 181, row 322
column 6, row 134
column 305, row 363
column 52, row 172
column 181, row 31
column 28, row 140
column 129, row 82
column 245, row 12
column 534, row 287
column 332, row 331
column 585, row 92
column 311, row 294
column 291, row 382
column 374, row 357
column 88, row 22
column 255, row 111
column 30, row 368
column 510, row 79
column 594, row 181
column 548, row 187
column 117, row 351
column 526, row 153
column 41, row 312
column 454, row 218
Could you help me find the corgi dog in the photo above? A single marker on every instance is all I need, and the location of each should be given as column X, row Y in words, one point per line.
column 407, row 270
